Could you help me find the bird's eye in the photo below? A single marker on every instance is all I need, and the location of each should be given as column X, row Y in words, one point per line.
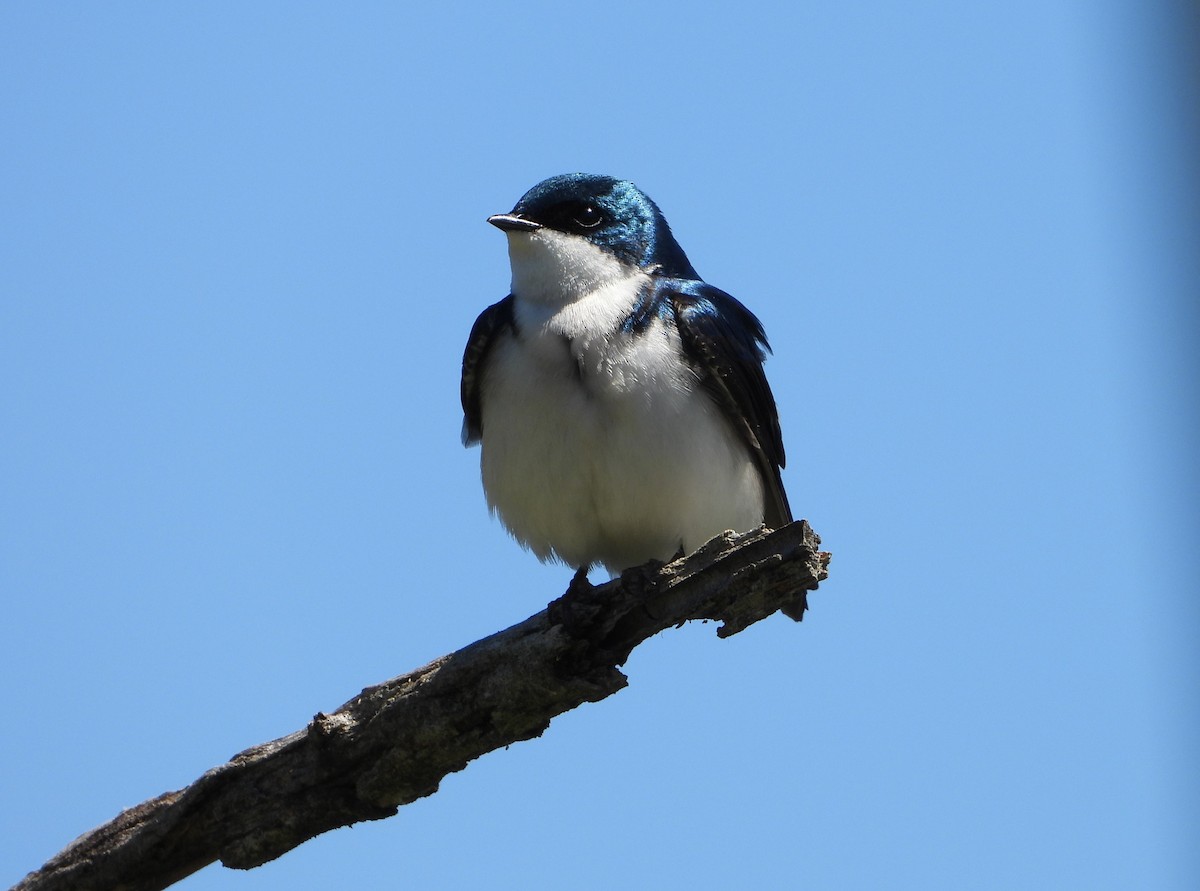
column 588, row 217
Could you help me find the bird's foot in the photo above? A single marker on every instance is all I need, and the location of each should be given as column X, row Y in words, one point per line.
column 574, row 610
column 580, row 585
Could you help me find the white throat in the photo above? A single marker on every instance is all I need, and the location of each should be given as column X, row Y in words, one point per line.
column 554, row 268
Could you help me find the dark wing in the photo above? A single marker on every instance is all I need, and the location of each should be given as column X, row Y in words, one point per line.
column 727, row 346
column 491, row 321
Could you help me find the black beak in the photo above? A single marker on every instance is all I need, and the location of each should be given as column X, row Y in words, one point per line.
column 510, row 222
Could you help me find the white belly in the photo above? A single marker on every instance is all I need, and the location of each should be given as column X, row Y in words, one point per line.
column 605, row 450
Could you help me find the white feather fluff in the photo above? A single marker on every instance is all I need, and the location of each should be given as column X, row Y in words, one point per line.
column 599, row 445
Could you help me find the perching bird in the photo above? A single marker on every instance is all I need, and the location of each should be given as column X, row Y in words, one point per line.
column 619, row 399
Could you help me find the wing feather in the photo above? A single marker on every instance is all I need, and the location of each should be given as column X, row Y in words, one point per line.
column 491, row 322
column 727, row 345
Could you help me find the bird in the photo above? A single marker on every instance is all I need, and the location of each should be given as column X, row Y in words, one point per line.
column 619, row 400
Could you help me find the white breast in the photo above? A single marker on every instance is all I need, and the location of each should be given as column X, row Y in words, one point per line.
column 599, row 445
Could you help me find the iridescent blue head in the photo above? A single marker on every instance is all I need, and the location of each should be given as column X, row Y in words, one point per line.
column 613, row 214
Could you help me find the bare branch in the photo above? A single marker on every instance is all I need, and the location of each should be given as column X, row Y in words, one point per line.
column 393, row 743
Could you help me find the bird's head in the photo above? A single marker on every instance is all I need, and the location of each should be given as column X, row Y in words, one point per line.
column 571, row 233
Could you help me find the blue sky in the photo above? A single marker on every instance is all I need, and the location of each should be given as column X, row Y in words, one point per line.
column 241, row 250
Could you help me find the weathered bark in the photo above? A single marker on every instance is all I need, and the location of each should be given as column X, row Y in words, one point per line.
column 393, row 743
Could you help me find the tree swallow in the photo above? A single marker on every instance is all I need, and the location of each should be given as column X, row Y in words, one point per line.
column 619, row 399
